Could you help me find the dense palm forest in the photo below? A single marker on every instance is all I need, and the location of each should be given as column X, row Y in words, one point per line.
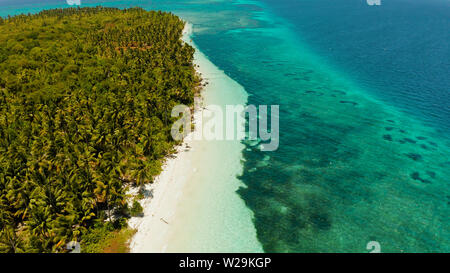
column 85, row 102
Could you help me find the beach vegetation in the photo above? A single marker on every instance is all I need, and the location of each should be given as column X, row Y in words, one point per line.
column 136, row 209
column 85, row 101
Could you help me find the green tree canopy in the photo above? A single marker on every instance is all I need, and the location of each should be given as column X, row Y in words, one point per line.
column 85, row 100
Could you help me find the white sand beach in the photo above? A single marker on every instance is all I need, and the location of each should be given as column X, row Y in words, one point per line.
column 193, row 206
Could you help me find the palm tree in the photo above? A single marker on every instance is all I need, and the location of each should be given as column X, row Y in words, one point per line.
column 10, row 242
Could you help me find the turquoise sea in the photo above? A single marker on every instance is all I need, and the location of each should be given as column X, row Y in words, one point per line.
column 364, row 95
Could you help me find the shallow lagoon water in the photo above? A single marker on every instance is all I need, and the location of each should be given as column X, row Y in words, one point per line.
column 354, row 164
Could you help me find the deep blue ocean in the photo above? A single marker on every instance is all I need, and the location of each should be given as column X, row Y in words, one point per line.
column 399, row 51
column 364, row 95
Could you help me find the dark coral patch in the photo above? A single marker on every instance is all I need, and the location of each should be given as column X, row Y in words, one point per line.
column 432, row 143
column 416, row 176
column 389, row 128
column 349, row 102
column 320, row 221
column 415, row 157
column 421, row 138
column 445, row 164
column 339, row 92
column 410, row 140
column 313, row 92
column 431, row 174
column 387, row 137
column 425, row 147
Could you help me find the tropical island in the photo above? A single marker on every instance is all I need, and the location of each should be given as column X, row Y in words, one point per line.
column 85, row 101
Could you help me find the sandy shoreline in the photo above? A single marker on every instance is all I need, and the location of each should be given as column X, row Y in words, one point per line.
column 165, row 192
column 193, row 206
